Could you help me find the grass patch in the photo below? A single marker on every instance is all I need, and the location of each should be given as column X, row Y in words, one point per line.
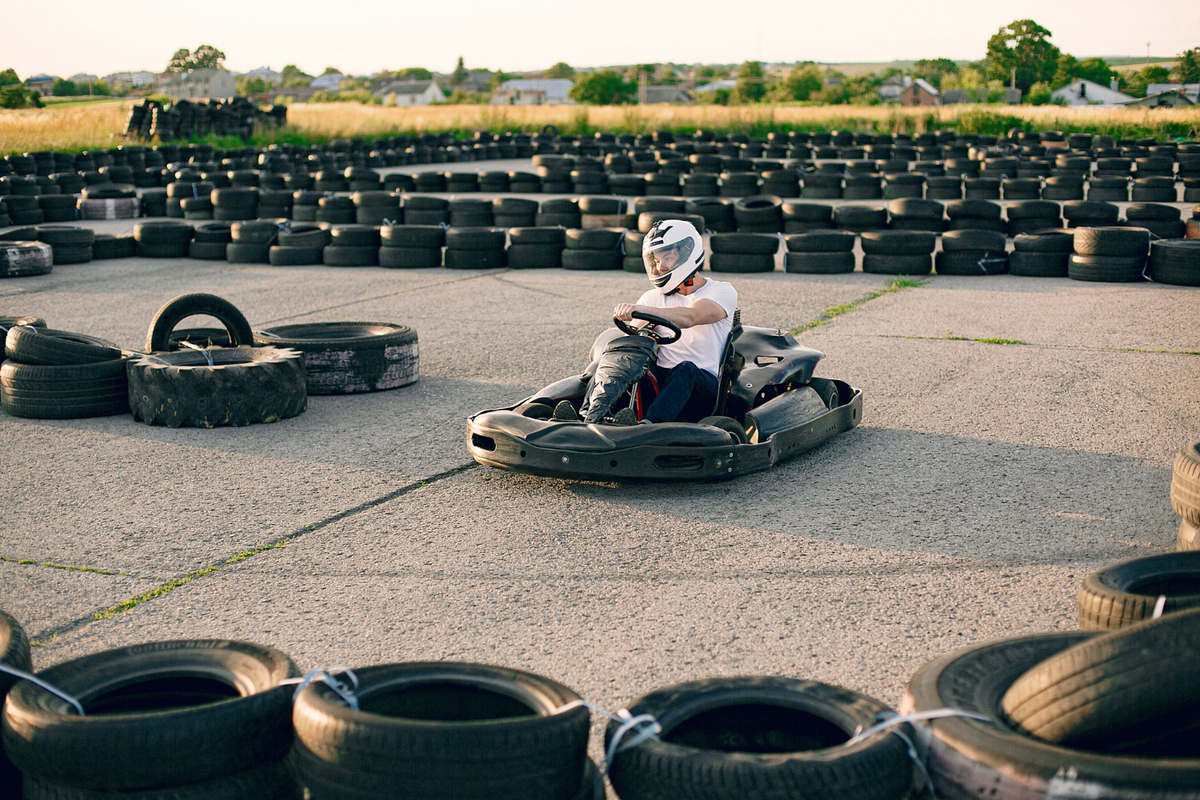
column 51, row 565
column 1160, row 352
column 831, row 313
column 950, row 337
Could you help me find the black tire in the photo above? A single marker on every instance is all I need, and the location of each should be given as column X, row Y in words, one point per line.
column 8, row 322
column 255, row 232
column 898, row 265
column 270, row 781
column 65, row 236
column 1054, row 240
column 819, row 263
column 108, row 246
column 195, row 711
column 734, row 428
column 971, row 263
column 442, row 730
column 29, row 345
column 820, row 242
column 603, row 239
column 337, row 256
column 545, row 219
column 1188, row 537
column 207, row 251
column 1176, row 262
column 1112, row 242
column 420, row 237
column 186, row 305
column 898, row 243
column 1132, row 690
column 916, row 208
column 1185, row 484
column 646, row 219
column 973, row 241
column 214, row 232
column 163, row 233
column 279, row 256
column 741, row 263
column 409, row 257
column 480, row 239
column 538, row 236
column 759, row 210
column 349, row 357
column 535, row 256
column 242, row 387
column 1105, row 269
column 354, row 236
column 474, row 259
column 242, row 253
column 970, row 759
column 736, row 738
column 1146, row 211
column 1038, row 265
column 201, row 337
column 1125, row 594
column 14, row 651
column 1034, row 209
column 973, row 209
column 21, row 259
column 750, row 244
column 860, row 218
column 64, row 392
column 633, row 264
column 1090, row 212
column 304, row 236
column 72, row 255
column 591, row 259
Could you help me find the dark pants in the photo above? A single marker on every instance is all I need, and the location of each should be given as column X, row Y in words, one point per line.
column 686, row 393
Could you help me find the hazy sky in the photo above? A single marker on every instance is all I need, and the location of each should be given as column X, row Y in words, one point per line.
column 364, row 36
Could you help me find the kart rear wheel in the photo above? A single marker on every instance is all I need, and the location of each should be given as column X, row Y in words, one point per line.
column 729, row 424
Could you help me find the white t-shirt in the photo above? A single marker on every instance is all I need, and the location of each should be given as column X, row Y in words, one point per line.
column 703, row 345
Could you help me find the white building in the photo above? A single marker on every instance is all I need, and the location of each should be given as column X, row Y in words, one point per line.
column 411, row 93
column 201, row 84
column 82, row 78
column 330, row 80
column 1192, row 90
column 712, row 87
column 266, row 74
column 130, row 79
column 534, row 92
column 1082, row 92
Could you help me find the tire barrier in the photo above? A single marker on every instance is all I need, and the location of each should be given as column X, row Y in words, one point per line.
column 52, row 374
column 349, row 357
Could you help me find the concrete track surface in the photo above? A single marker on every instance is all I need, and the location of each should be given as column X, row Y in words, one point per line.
column 1017, row 434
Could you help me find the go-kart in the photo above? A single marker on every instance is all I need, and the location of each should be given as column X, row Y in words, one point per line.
column 769, row 408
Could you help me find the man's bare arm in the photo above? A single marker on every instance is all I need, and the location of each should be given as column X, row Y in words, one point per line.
column 703, row 312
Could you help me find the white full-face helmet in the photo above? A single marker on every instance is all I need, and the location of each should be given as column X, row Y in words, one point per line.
column 673, row 251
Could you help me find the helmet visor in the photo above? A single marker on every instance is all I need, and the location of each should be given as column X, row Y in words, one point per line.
column 664, row 258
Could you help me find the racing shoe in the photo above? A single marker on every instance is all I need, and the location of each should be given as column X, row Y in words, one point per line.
column 566, row 412
column 625, row 416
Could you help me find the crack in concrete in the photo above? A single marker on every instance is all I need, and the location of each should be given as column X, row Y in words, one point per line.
column 282, row 541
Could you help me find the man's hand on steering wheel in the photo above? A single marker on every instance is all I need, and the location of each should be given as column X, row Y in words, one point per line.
column 647, row 330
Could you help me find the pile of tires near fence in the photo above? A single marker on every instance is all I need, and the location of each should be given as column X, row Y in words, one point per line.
column 199, row 377
column 1106, row 712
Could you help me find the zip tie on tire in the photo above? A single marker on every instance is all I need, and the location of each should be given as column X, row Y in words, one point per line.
column 193, row 346
column 41, row 684
column 326, row 676
column 890, row 720
column 983, row 261
column 1159, row 606
column 628, row 722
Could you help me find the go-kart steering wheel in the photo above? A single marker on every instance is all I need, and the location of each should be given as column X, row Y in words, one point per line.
column 648, row 330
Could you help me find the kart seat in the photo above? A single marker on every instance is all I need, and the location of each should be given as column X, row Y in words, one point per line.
column 731, row 364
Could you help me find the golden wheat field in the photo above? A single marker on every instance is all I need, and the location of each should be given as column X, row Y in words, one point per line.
column 101, row 125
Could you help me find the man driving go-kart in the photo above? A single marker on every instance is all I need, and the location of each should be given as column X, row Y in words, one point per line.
column 686, row 368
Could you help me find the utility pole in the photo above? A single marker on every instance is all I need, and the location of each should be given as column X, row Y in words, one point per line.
column 1147, row 52
column 643, row 95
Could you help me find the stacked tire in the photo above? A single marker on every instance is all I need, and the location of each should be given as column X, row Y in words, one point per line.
column 52, row 374
column 251, row 241
column 1133, row 591
column 197, row 719
column 592, row 248
column 971, row 252
column 209, row 241
column 1033, row 215
column 475, row 248
column 1175, row 261
column 162, row 239
column 1185, row 496
column 234, row 203
column 299, row 246
column 70, row 245
column 1109, row 254
column 915, row 214
column 743, row 252
column 819, row 252
column 1163, row 222
column 411, row 246
column 976, row 215
column 352, row 246
column 898, row 252
column 215, row 386
column 444, row 731
column 14, row 651
column 1042, row 254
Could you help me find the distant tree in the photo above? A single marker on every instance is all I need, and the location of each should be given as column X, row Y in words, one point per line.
column 634, row 72
column 64, row 88
column 101, row 88
column 9, row 77
column 802, row 82
column 1025, row 46
column 460, row 73
column 1140, row 82
column 332, row 71
column 293, row 76
column 705, row 73
column 413, row 74
column 934, row 70
column 16, row 96
column 1039, row 94
column 497, row 79
column 1069, row 69
column 561, row 70
column 1187, row 66
column 205, row 57
column 247, row 86
column 669, row 76
column 751, row 83
column 603, row 88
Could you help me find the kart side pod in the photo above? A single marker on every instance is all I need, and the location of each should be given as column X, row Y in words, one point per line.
column 788, row 410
